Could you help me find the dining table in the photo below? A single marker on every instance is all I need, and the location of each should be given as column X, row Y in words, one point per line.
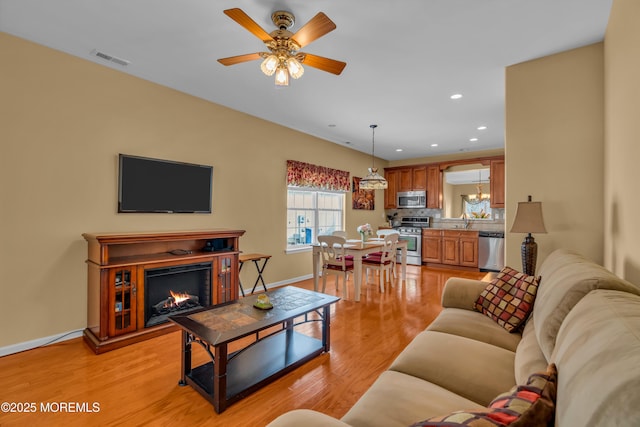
column 358, row 249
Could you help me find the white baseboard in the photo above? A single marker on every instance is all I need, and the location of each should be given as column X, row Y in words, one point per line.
column 39, row 342
column 284, row 282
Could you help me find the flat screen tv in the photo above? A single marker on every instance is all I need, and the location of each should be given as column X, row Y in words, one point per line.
column 154, row 185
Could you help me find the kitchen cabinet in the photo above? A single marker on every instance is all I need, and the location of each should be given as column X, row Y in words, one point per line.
column 468, row 248
column 405, row 179
column 496, row 183
column 419, row 178
column 414, row 178
column 432, row 246
column 434, row 187
column 391, row 193
column 451, row 248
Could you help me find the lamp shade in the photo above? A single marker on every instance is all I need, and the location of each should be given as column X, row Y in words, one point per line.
column 373, row 181
column 529, row 218
column 282, row 76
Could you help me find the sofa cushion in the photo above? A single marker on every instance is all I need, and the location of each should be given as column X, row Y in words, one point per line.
column 396, row 399
column 474, row 325
column 508, row 299
column 475, row 370
column 306, row 418
column 529, row 405
column 598, row 358
column 529, row 357
column 566, row 278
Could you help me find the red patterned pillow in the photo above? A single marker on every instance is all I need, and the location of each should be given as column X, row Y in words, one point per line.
column 509, row 298
column 530, row 405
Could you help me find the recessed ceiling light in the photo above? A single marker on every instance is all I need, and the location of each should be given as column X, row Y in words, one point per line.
column 398, row 149
column 434, row 145
column 473, row 139
column 456, row 96
column 482, row 127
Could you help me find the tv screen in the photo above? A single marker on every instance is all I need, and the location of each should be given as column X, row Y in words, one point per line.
column 154, row 185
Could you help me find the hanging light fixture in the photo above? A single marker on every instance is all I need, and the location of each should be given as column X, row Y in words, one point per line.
column 373, row 180
column 283, row 65
column 479, row 196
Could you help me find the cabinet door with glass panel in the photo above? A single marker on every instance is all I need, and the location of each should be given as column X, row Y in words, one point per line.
column 122, row 285
column 225, row 278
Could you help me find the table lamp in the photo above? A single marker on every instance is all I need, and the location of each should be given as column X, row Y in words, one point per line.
column 529, row 220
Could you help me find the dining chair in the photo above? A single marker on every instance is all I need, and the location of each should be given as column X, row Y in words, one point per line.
column 334, row 260
column 381, row 233
column 342, row 233
column 385, row 263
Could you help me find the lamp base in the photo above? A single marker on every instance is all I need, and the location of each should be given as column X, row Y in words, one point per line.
column 529, row 251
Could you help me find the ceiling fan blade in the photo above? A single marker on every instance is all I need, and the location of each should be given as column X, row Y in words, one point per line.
column 243, row 19
column 232, row 60
column 324, row 64
column 317, row 27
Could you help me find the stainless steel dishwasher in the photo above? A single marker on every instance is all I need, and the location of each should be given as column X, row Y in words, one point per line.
column 490, row 250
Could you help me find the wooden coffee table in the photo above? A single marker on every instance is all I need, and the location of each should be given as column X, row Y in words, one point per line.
column 229, row 377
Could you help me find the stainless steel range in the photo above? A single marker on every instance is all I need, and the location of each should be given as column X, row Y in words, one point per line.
column 410, row 229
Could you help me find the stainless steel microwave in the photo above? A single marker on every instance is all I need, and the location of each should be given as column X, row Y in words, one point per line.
column 412, row 199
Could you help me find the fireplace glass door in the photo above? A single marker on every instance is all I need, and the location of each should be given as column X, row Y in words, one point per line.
column 173, row 290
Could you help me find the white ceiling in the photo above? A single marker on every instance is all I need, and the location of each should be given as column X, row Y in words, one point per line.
column 404, row 59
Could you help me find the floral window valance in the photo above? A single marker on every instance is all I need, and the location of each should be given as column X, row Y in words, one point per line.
column 300, row 174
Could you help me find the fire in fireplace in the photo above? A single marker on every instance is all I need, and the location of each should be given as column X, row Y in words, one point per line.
column 173, row 290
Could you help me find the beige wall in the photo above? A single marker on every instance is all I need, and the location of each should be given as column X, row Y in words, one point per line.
column 63, row 121
column 622, row 140
column 554, row 150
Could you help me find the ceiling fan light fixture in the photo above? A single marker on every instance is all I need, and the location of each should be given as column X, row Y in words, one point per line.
column 373, row 180
column 282, row 76
column 295, row 68
column 269, row 65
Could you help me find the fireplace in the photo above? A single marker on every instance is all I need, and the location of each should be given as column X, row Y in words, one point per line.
column 173, row 290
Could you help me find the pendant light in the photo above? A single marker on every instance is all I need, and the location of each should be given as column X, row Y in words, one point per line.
column 373, row 180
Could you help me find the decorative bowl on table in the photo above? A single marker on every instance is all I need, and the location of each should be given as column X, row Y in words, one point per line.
column 263, row 302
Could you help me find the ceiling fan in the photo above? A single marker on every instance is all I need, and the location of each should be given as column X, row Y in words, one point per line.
column 284, row 58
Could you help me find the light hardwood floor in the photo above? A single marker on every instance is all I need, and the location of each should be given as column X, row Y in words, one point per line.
column 138, row 384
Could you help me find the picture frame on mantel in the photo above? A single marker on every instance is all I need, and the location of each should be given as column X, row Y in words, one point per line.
column 362, row 199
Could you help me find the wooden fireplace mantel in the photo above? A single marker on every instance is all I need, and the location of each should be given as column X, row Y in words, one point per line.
column 116, row 264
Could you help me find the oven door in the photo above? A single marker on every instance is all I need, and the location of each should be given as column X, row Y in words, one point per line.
column 414, row 248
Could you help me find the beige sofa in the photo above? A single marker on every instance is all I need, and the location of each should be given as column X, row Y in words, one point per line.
column 585, row 320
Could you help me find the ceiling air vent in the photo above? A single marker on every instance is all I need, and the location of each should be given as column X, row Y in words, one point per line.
column 110, row 58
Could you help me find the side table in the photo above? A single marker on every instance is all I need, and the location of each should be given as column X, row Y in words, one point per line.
column 260, row 268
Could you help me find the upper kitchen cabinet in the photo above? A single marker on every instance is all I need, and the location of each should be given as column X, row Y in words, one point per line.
column 496, row 183
column 410, row 178
column 434, row 187
column 391, row 193
column 419, row 178
column 405, row 180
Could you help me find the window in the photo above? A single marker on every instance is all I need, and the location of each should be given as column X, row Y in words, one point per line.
column 311, row 213
column 474, row 208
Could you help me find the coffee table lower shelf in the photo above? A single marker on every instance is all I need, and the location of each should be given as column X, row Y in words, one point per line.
column 256, row 366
